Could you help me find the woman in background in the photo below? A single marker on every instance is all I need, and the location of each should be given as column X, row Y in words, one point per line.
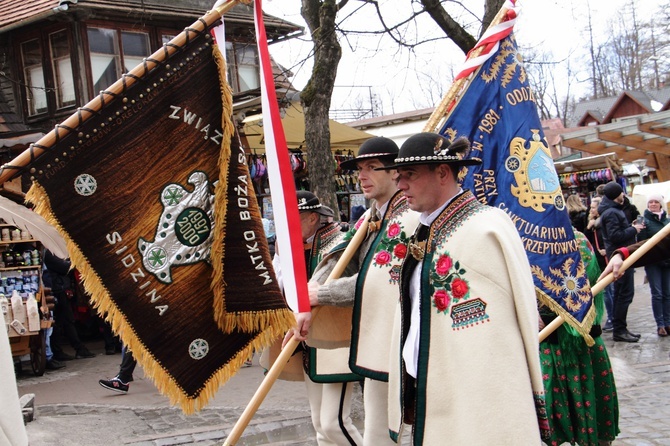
column 577, row 212
column 594, row 234
column 580, row 391
column 658, row 274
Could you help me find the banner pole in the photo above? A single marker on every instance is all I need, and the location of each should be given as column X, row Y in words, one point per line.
column 9, row 170
column 261, row 392
column 442, row 109
column 331, row 326
column 350, row 250
column 598, row 287
column 291, row 345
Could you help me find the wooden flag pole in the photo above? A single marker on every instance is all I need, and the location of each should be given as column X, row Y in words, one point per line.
column 331, row 326
column 598, row 287
column 9, row 170
column 261, row 392
column 350, row 250
column 286, row 353
column 457, row 87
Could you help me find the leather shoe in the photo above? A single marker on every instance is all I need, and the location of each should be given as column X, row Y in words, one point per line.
column 54, row 365
column 625, row 337
column 661, row 332
column 635, row 335
column 62, row 356
column 84, row 353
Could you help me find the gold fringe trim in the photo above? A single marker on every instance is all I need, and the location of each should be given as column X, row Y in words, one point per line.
column 220, row 200
column 248, row 321
column 103, row 303
column 583, row 328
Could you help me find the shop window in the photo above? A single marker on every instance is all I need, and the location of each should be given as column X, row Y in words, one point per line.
column 114, row 52
column 243, row 67
column 135, row 48
column 165, row 38
column 33, row 74
column 47, row 72
column 62, row 68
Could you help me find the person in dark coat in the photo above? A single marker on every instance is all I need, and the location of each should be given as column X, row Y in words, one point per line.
column 56, row 276
column 594, row 234
column 629, row 209
column 578, row 212
column 618, row 232
column 658, row 274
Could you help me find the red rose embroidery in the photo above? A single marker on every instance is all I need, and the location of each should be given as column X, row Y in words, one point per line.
column 382, row 258
column 459, row 288
column 443, row 265
column 393, row 230
column 400, row 251
column 441, row 298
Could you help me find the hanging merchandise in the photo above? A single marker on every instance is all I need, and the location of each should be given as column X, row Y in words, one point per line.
column 585, row 177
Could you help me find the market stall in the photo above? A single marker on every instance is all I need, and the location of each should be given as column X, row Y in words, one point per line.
column 22, row 299
column 583, row 175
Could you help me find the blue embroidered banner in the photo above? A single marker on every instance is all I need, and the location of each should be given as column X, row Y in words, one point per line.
column 497, row 113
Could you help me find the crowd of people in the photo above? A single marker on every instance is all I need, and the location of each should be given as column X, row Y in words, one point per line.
column 435, row 330
column 416, row 272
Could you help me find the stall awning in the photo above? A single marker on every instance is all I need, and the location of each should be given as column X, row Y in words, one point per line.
column 631, row 139
column 606, row 161
column 342, row 137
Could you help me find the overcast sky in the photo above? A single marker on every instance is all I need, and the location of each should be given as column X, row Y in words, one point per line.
column 401, row 81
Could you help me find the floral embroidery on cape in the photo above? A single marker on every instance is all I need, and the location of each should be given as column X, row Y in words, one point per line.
column 449, row 283
column 452, row 293
column 391, row 250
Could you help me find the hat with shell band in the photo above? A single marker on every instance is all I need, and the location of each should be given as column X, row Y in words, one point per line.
column 308, row 202
column 431, row 148
column 378, row 147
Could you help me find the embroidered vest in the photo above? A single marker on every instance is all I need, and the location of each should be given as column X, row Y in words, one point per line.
column 478, row 335
column 326, row 365
column 377, row 292
column 325, row 239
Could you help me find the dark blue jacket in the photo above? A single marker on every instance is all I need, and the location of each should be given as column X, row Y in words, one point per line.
column 617, row 231
column 56, row 272
column 653, row 224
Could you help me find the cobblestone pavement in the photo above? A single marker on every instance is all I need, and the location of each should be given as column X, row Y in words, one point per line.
column 71, row 409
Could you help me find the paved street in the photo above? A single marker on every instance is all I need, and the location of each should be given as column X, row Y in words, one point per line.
column 72, row 409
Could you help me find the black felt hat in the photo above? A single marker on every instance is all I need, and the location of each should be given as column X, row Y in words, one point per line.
column 308, row 202
column 377, row 147
column 431, row 148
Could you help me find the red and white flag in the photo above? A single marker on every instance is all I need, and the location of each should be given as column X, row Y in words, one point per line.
column 282, row 186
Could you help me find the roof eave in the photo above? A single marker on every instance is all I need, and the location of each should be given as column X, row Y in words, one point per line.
column 279, row 30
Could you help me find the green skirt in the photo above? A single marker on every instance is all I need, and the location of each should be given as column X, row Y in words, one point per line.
column 581, row 397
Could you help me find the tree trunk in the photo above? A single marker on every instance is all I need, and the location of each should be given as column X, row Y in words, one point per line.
column 316, row 98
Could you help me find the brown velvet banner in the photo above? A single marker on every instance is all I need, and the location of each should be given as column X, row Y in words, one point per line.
column 148, row 193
